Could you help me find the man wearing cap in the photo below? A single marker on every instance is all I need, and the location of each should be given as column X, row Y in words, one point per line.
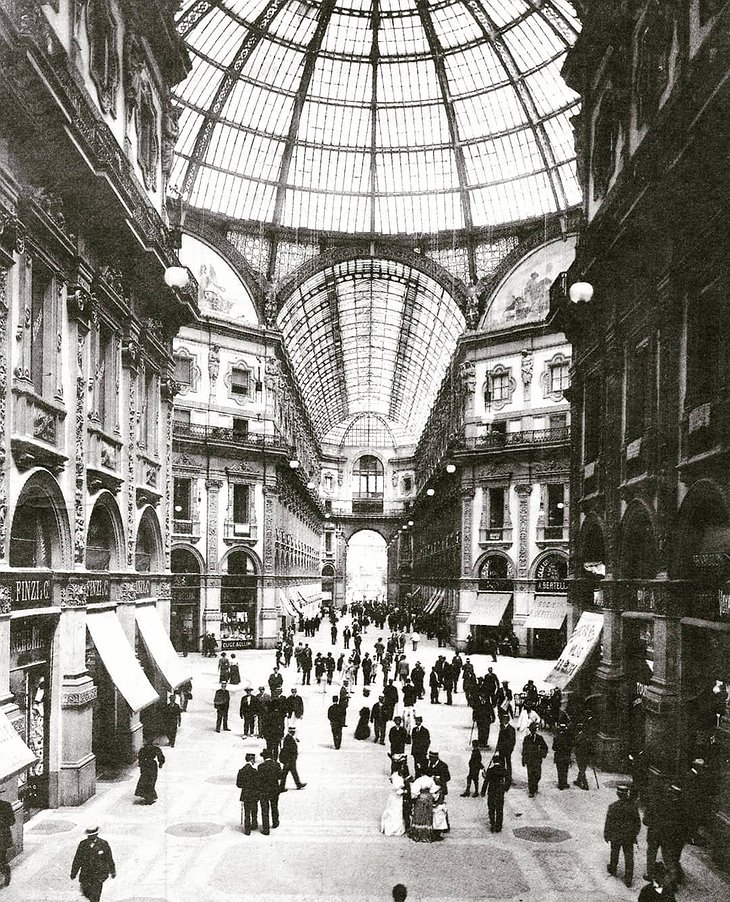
column 247, row 712
column 534, row 750
column 269, row 774
column 288, row 759
column 248, row 782
column 420, row 742
column 93, row 862
column 562, row 753
column 620, row 830
column 336, row 717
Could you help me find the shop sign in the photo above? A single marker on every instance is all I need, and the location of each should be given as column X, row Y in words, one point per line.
column 236, row 642
column 29, row 637
column 98, row 590
column 724, row 601
column 549, row 586
column 495, row 585
column 577, row 650
column 711, row 561
column 31, row 593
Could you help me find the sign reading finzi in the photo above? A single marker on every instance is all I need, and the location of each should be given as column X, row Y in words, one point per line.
column 33, row 592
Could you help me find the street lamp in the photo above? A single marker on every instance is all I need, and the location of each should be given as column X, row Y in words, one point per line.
column 451, row 468
column 410, row 522
column 294, row 463
column 430, row 492
column 177, row 277
column 580, row 292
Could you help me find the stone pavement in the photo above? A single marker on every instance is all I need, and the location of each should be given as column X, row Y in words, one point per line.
column 189, row 846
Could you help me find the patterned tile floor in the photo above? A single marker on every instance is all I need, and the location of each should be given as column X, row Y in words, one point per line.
column 189, row 847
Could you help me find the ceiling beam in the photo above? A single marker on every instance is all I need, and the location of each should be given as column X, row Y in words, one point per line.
column 194, row 15
column 405, row 336
column 374, row 60
column 437, row 54
column 252, row 39
column 330, row 287
column 490, row 31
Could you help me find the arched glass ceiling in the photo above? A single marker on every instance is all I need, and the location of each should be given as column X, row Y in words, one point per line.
column 379, row 116
column 367, row 430
column 370, row 336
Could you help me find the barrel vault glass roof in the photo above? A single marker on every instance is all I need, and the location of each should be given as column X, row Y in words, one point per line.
column 370, row 336
column 377, row 116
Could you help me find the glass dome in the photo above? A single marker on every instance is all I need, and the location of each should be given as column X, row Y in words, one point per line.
column 377, row 116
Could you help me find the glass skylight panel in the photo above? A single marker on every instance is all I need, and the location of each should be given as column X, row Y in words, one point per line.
column 454, row 25
column 348, row 35
column 295, row 23
column 265, row 110
column 347, row 81
column 502, row 110
column 202, row 82
column 504, row 11
column 548, row 89
column 244, row 9
column 532, row 41
column 333, row 126
column 560, row 134
column 273, row 63
column 189, row 124
column 473, row 70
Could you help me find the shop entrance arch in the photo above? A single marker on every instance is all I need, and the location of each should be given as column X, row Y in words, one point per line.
column 367, row 566
column 185, row 601
column 239, row 592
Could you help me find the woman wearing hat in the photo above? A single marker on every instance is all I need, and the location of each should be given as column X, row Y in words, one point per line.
column 424, row 792
column 150, row 760
column 659, row 889
column 392, row 823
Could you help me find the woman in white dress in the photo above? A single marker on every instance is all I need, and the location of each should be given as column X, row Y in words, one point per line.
column 392, row 822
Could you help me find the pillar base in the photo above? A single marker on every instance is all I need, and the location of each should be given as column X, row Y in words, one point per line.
column 610, row 752
column 77, row 781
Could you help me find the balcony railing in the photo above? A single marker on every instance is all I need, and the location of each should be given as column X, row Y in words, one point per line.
column 203, row 432
column 367, row 503
column 524, row 437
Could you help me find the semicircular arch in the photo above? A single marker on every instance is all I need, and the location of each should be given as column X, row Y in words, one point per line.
column 40, row 519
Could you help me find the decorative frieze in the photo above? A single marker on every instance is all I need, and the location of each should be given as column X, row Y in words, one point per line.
column 73, row 698
column 523, row 558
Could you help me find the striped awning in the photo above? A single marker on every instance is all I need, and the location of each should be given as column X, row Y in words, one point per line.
column 434, row 602
column 285, row 606
column 548, row 612
column 489, row 608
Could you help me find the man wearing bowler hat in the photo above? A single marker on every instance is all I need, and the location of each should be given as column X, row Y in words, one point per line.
column 93, row 863
column 288, row 759
column 248, row 782
column 620, row 830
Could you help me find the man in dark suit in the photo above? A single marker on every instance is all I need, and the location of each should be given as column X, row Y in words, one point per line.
column 295, row 705
column 93, row 863
column 221, row 703
column 439, row 770
column 434, row 684
column 379, row 720
column 247, row 712
column 621, row 828
column 336, row 717
column 269, row 788
column 390, row 697
column 288, row 759
column 397, row 737
column 534, row 750
column 248, row 782
column 447, row 681
column 420, row 742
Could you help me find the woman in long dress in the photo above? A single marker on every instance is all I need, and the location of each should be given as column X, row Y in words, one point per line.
column 150, row 756
column 362, row 730
column 424, row 792
column 392, row 822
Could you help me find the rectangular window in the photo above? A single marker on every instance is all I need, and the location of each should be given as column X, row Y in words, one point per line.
column 241, row 512
column 181, row 416
column 328, row 542
column 184, row 371
column 559, row 378
column 498, row 428
column 558, row 421
column 496, row 509
column 40, row 301
column 182, row 505
column 500, row 387
column 240, row 382
column 104, row 379
column 705, row 330
column 240, row 428
column 636, row 393
column 556, row 506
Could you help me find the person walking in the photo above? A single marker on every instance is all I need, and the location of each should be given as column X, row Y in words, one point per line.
column 506, row 741
column 367, row 669
column 306, row 662
column 398, row 739
column 474, row 769
column 534, row 751
column 415, row 639
column 269, row 772
column 562, row 753
column 221, row 703
column 390, row 694
column 336, row 717
column 224, row 668
column 234, row 673
column 7, row 820
column 410, row 696
column 93, row 863
column 447, row 681
column 288, row 759
column 295, row 705
column 172, row 718
column 247, row 712
column 495, row 784
column 621, row 829
column 333, row 633
column 248, row 781
column 440, row 772
column 420, row 744
column 379, row 720
column 150, row 760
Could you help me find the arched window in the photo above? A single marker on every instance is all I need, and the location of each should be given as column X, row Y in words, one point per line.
column 146, row 555
column 32, row 534
column 367, row 495
column 100, row 540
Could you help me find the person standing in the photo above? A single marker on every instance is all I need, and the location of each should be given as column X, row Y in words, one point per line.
column 495, row 783
column 415, row 639
column 440, row 772
column 392, row 823
column 224, row 668
column 269, row 772
column 418, row 675
column 344, row 700
column 410, row 695
column 434, row 685
column 420, row 743
column 346, row 636
column 582, row 749
column 172, row 720
column 93, row 862
column 234, row 674
column 483, row 718
column 398, row 739
column 621, row 829
column 288, row 759
column 306, row 662
column 367, row 668
column 534, row 751
column 336, row 717
column 247, row 712
column 333, row 633
column 295, row 705
column 475, row 768
column 379, row 720
column 7, row 819
column 329, row 664
column 491, row 682
column 276, row 681
column 221, row 703
column 506, row 741
column 248, row 782
column 447, row 681
column 150, row 760
column 562, row 753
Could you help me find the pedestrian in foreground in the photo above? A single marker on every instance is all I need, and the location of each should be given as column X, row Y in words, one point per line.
column 336, row 717
column 7, row 819
column 269, row 789
column 534, row 751
column 288, row 759
column 247, row 781
column 150, row 760
column 93, row 862
column 620, row 830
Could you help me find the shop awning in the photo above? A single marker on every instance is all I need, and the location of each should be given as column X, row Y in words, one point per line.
column 286, row 606
column 583, row 640
column 434, row 602
column 489, row 608
column 548, row 612
column 160, row 649
column 14, row 753
column 120, row 661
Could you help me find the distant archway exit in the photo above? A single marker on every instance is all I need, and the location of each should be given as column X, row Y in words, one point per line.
column 367, row 566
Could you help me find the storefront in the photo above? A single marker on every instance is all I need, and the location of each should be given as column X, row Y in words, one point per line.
column 490, row 620
column 239, row 590
column 546, row 622
column 185, row 600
